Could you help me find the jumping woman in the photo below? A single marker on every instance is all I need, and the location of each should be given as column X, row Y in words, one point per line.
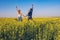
column 19, row 14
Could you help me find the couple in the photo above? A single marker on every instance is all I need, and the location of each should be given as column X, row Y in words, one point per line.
column 20, row 14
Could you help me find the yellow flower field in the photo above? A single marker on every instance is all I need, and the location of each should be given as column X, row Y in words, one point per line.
column 36, row 29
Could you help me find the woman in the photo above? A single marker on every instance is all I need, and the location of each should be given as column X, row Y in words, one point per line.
column 19, row 14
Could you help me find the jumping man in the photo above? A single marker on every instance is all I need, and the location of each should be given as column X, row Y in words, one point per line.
column 30, row 13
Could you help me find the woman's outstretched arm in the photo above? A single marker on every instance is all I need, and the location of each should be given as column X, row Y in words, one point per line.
column 16, row 8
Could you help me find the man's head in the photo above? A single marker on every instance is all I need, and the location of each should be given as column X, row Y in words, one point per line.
column 31, row 9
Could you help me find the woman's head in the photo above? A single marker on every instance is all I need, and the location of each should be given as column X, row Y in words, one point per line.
column 19, row 11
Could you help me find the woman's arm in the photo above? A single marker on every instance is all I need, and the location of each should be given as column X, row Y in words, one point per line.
column 16, row 8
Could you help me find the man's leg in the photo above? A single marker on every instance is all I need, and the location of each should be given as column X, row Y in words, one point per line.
column 29, row 18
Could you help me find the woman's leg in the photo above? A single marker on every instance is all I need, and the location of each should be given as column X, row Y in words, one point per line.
column 20, row 18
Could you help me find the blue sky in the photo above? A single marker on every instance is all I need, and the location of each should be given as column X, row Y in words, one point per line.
column 41, row 7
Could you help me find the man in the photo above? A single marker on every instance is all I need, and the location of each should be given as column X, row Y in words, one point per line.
column 19, row 14
column 30, row 13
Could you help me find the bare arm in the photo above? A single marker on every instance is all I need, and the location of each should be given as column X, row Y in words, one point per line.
column 16, row 8
column 32, row 6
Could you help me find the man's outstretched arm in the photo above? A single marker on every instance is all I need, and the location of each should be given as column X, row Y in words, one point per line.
column 32, row 6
